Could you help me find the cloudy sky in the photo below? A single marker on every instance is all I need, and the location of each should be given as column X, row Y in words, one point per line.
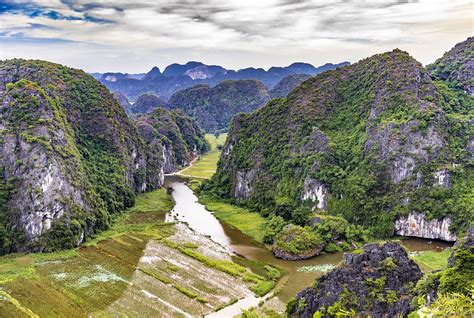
column 133, row 36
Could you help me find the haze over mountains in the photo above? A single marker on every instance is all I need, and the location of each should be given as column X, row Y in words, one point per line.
column 179, row 76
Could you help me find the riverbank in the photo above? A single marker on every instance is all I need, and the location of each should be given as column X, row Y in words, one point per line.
column 142, row 266
column 248, row 222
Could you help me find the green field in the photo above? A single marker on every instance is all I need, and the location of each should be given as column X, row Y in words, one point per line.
column 88, row 279
column 249, row 223
column 206, row 165
column 430, row 261
column 125, row 269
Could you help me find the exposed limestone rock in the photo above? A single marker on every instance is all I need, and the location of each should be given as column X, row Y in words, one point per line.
column 378, row 134
column 68, row 153
column 442, row 178
column 374, row 283
column 415, row 224
column 244, row 184
column 315, row 191
column 172, row 138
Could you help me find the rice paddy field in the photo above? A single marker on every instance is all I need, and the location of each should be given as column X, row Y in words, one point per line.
column 140, row 267
column 205, row 166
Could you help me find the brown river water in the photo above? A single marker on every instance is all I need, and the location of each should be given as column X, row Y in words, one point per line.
column 299, row 274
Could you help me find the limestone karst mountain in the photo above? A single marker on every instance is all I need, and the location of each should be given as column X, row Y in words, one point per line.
column 214, row 107
column 378, row 142
column 456, row 66
column 176, row 77
column 176, row 135
column 287, row 84
column 70, row 156
column 145, row 103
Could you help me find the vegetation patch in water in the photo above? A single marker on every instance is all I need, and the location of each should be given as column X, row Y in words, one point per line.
column 323, row 268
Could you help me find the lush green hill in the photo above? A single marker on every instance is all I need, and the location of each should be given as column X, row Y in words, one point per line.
column 378, row 142
column 213, row 107
column 287, row 84
column 172, row 135
column 145, row 103
column 456, row 67
column 70, row 156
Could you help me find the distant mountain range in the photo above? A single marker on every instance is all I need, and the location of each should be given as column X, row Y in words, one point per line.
column 176, row 77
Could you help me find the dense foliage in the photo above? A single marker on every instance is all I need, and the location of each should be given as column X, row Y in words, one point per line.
column 68, row 128
column 329, row 233
column 456, row 67
column 375, row 134
column 448, row 291
column 213, row 107
column 172, row 134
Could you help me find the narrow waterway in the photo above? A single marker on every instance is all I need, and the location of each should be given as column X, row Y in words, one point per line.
column 299, row 274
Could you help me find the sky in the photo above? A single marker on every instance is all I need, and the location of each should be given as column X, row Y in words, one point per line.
column 134, row 36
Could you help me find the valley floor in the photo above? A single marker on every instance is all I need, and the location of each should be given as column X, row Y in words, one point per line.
column 141, row 267
column 144, row 266
column 205, row 166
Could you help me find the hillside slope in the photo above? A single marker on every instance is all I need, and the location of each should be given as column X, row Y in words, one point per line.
column 378, row 142
column 213, row 107
column 287, row 84
column 456, row 66
column 70, row 157
column 145, row 103
column 176, row 135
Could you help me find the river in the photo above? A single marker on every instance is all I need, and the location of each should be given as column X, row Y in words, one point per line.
column 299, row 274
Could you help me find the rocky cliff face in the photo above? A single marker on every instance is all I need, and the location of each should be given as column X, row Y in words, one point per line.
column 172, row 136
column 416, row 224
column 456, row 66
column 377, row 281
column 373, row 141
column 213, row 107
column 69, row 157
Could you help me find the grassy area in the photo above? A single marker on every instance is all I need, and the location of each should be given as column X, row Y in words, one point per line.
column 430, row 261
column 86, row 279
column 206, row 165
column 107, row 273
column 249, row 223
column 144, row 217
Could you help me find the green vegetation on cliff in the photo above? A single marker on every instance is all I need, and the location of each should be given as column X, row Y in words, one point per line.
column 77, row 161
column 375, row 139
column 449, row 291
column 456, row 66
column 213, row 107
column 172, row 135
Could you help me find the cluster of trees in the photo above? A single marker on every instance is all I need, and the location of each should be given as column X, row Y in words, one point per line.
column 331, row 233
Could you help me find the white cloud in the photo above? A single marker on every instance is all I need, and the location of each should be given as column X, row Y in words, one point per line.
column 261, row 32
